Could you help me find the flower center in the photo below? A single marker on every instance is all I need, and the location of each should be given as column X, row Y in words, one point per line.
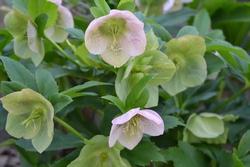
column 132, row 126
column 178, row 61
column 36, row 115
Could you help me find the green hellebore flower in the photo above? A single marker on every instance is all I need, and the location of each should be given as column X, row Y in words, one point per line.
column 30, row 116
column 96, row 153
column 206, row 127
column 187, row 53
column 16, row 23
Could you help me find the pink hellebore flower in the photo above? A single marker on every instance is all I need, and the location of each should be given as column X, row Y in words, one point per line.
column 65, row 20
column 174, row 5
column 129, row 128
column 116, row 37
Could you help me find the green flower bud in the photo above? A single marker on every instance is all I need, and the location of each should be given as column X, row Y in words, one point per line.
column 30, row 116
column 187, row 53
column 97, row 153
column 206, row 127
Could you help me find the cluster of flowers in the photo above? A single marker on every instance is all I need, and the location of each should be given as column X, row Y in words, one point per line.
column 117, row 37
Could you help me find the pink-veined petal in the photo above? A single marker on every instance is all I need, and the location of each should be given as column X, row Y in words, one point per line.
column 95, row 41
column 114, row 59
column 168, row 5
column 151, row 128
column 125, row 117
column 114, row 134
column 151, row 115
column 129, row 140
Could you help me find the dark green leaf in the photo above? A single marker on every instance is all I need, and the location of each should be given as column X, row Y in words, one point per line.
column 59, row 101
column 116, row 101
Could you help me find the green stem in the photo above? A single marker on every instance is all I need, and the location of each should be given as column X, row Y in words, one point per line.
column 230, row 99
column 64, row 53
column 71, row 129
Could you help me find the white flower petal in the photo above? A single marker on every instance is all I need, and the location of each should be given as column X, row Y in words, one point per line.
column 168, row 6
column 151, row 128
column 114, row 134
column 57, row 2
column 151, row 115
column 65, row 20
column 125, row 117
column 129, row 140
column 115, row 59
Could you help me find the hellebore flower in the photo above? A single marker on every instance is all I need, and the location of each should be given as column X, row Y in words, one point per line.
column 174, row 5
column 187, row 53
column 207, row 127
column 129, row 128
column 96, row 153
column 30, row 116
column 65, row 20
column 116, row 37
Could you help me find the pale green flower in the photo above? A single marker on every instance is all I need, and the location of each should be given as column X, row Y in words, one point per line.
column 187, row 53
column 30, row 116
column 206, row 127
column 96, row 153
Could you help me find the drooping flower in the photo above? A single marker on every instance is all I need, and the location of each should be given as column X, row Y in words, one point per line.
column 30, row 116
column 129, row 128
column 96, row 153
column 174, row 5
column 116, row 37
column 187, row 53
column 207, row 127
column 64, row 20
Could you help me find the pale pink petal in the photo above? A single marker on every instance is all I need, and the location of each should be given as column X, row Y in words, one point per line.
column 151, row 128
column 168, row 5
column 129, row 140
column 58, row 2
column 114, row 134
column 151, row 115
column 116, row 59
column 65, row 20
column 95, row 41
column 134, row 39
column 125, row 117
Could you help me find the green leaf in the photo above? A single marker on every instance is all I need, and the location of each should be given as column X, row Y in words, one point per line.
column 136, row 92
column 116, row 101
column 187, row 30
column 3, row 117
column 126, row 5
column 171, row 122
column 18, row 73
column 10, row 87
column 75, row 33
column 59, row 101
column 161, row 32
column 102, row 4
column 185, row 155
column 97, row 153
column 79, row 88
column 144, row 153
column 202, row 22
column 96, row 12
column 20, row 5
column 41, row 22
column 46, row 84
column 244, row 145
column 38, row 7
column 66, row 159
column 237, row 161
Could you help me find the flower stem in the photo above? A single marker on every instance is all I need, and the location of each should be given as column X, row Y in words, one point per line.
column 64, row 53
column 71, row 129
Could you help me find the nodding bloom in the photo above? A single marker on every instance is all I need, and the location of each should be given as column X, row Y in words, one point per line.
column 116, row 37
column 65, row 20
column 30, row 116
column 174, row 5
column 129, row 128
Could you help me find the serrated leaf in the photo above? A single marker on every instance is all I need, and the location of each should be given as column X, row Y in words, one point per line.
column 171, row 122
